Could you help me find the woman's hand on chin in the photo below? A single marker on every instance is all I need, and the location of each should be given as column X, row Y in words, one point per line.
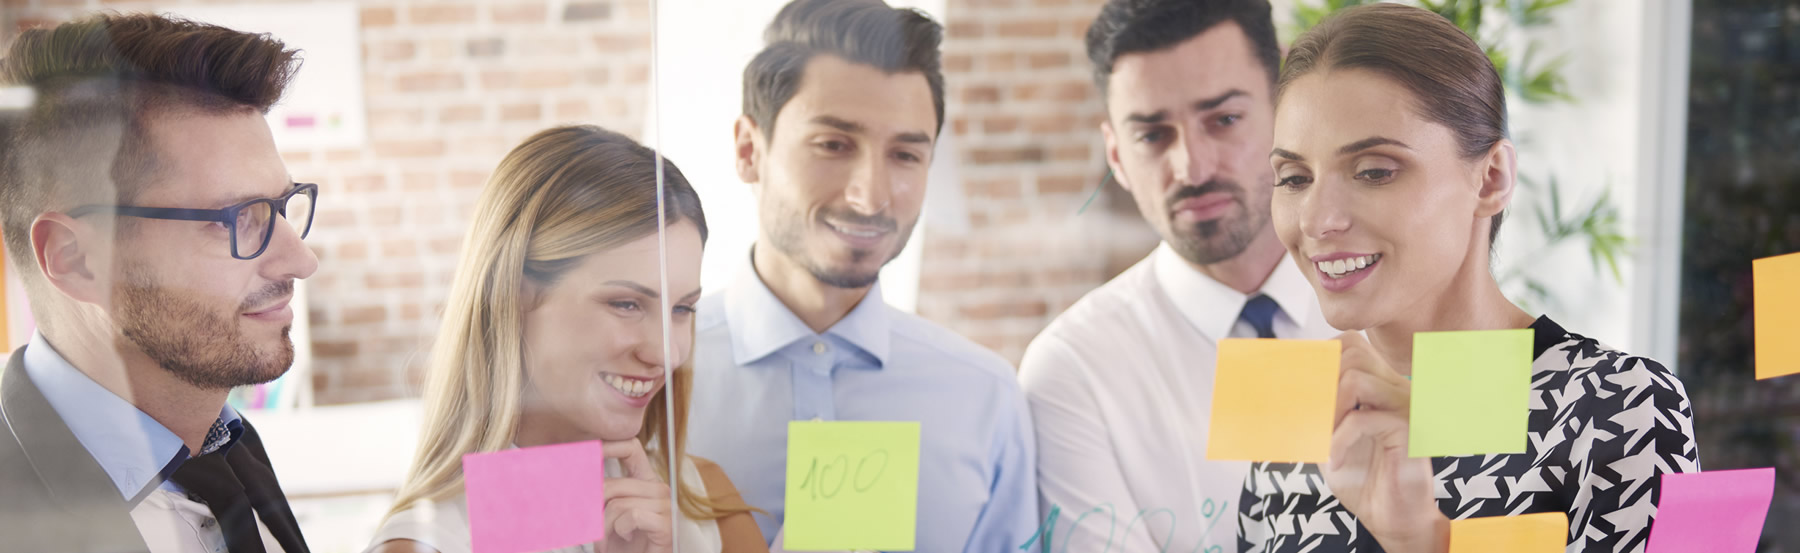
column 1393, row 496
column 638, row 514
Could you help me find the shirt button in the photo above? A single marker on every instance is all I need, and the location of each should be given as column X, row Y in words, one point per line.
column 819, row 348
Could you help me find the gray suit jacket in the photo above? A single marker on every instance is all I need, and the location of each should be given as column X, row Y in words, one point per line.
column 54, row 497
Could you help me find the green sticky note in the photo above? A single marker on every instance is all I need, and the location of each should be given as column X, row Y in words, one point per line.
column 852, row 485
column 1471, row 392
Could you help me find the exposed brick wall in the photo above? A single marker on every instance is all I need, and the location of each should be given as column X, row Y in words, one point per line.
column 1026, row 118
column 450, row 86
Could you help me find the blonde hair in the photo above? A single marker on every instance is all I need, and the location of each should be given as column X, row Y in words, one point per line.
column 563, row 194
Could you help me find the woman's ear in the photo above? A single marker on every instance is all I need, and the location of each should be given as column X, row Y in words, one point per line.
column 1499, row 174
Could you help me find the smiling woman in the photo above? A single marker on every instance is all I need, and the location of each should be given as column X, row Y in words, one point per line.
column 552, row 334
column 1392, row 171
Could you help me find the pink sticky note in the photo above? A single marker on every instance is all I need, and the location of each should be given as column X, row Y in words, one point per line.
column 1718, row 512
column 535, row 498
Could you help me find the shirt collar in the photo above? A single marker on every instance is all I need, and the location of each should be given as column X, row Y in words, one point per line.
column 761, row 324
column 127, row 443
column 1213, row 308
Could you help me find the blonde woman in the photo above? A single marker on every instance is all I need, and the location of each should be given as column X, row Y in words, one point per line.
column 552, row 334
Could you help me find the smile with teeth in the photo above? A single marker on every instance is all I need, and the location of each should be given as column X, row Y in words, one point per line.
column 629, row 387
column 1344, row 267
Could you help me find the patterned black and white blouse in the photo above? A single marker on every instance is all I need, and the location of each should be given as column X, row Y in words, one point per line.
column 1603, row 425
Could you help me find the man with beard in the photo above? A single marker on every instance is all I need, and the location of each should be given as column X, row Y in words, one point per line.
column 841, row 111
column 158, row 234
column 1121, row 384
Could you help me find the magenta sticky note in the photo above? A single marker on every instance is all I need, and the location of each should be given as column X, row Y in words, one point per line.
column 535, row 498
column 1717, row 512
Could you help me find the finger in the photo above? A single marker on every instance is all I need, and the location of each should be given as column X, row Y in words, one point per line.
column 633, row 519
column 1363, row 391
column 1363, row 435
column 1358, row 356
column 632, row 487
column 632, row 458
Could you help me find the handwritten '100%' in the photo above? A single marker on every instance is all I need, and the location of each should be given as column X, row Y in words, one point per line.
column 1209, row 512
column 864, row 479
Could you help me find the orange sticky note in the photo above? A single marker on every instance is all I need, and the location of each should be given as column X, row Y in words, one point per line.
column 1272, row 400
column 1777, row 315
column 1533, row 533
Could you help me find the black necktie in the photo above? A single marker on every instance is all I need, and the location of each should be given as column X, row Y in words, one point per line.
column 1260, row 313
column 211, row 479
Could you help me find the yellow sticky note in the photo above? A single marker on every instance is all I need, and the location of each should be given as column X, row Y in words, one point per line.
column 1533, row 533
column 1273, row 399
column 1777, row 315
column 852, row 485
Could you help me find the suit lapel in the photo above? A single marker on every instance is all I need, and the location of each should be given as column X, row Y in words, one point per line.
column 55, row 488
column 250, row 462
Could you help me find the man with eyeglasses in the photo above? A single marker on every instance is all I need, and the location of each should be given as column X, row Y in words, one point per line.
column 158, row 236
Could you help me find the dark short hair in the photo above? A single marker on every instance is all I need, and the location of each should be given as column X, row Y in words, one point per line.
column 1452, row 81
column 97, row 81
column 867, row 32
column 1134, row 26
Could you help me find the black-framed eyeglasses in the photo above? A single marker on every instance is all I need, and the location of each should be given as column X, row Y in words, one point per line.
column 252, row 223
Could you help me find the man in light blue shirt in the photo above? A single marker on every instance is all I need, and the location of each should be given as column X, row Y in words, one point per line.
column 841, row 110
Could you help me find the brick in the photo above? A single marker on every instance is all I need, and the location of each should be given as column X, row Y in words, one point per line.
column 958, row 63
column 981, row 94
column 587, row 11
column 365, row 184
column 441, row 14
column 390, row 118
column 615, row 42
column 378, row 17
column 1053, row 122
column 352, row 251
column 963, row 29
column 1079, row 152
column 393, row 50
column 429, row 81
column 1047, row 60
column 1072, row 91
column 341, row 156
column 1000, row 62
column 989, row 156
column 364, row 315
column 1035, row 28
column 960, row 126
column 467, row 180
column 1027, row 92
column 1064, row 184
column 514, row 12
column 384, row 216
column 296, row 158
column 419, row 182
column 1003, row 310
column 996, row 188
column 490, row 47
column 408, row 148
column 411, row 312
column 400, row 248
column 445, row 246
column 637, row 74
column 329, row 218
column 572, row 110
column 390, row 281
column 462, row 113
column 530, row 111
column 333, row 348
column 1000, row 124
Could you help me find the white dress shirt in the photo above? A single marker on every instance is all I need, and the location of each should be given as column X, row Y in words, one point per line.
column 1120, row 388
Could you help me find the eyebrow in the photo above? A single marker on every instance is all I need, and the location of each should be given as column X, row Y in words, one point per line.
column 645, row 290
column 852, row 127
column 1199, row 105
column 1348, row 149
column 247, row 197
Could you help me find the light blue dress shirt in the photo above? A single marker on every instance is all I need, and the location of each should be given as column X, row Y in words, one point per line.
column 757, row 366
column 131, row 447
